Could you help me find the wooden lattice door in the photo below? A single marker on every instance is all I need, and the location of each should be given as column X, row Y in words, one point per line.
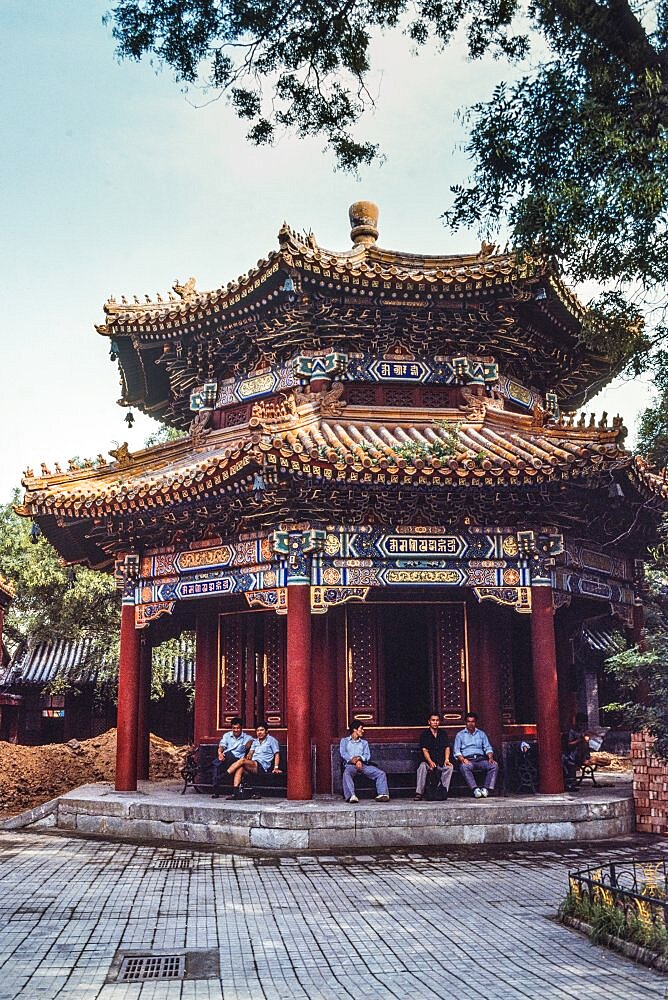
column 451, row 665
column 231, row 669
column 273, row 670
column 252, row 669
column 362, row 663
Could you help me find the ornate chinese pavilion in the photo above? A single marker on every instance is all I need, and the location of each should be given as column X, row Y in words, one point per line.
column 383, row 504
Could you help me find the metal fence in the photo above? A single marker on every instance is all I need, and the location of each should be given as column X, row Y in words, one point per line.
column 636, row 889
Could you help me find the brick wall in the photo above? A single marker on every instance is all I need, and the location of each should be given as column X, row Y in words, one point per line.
column 650, row 786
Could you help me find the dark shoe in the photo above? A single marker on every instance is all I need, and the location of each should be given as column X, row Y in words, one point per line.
column 236, row 796
column 417, row 797
column 216, row 795
column 255, row 795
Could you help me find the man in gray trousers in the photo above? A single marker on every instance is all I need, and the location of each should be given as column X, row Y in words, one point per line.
column 474, row 753
column 356, row 754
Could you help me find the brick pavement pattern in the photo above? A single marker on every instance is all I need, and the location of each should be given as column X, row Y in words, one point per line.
column 469, row 923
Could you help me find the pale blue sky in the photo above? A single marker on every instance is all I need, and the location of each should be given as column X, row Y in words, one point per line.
column 113, row 183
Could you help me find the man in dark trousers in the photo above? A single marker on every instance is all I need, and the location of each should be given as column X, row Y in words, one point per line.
column 436, row 752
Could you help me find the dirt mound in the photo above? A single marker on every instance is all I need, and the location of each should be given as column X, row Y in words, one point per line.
column 612, row 762
column 31, row 775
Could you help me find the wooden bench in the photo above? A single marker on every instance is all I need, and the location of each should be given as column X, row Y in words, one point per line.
column 400, row 762
column 197, row 773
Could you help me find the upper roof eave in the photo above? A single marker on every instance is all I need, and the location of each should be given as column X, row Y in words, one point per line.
column 297, row 253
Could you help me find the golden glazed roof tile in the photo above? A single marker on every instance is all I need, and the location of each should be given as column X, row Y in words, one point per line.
column 497, row 446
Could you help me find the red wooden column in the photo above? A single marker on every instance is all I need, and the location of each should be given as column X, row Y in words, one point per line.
column 323, row 698
column 143, row 733
column 299, row 691
column 544, row 656
column 488, row 703
column 206, row 673
column 128, row 702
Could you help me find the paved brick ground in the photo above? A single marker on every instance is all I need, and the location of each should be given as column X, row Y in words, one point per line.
column 464, row 924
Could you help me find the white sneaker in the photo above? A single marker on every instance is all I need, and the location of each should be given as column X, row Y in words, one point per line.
column 382, row 798
column 484, row 792
column 477, row 793
column 353, row 799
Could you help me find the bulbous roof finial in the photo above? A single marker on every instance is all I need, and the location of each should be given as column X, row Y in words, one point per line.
column 364, row 222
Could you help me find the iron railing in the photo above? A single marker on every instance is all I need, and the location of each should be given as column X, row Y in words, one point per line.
column 636, row 889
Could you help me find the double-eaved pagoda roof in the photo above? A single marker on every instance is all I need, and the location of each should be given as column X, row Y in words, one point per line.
column 302, row 296
column 355, row 388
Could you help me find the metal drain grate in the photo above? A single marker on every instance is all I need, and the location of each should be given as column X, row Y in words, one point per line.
column 163, row 964
column 138, row 968
column 183, row 863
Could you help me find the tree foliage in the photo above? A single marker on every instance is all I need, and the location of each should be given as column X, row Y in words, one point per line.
column 576, row 151
column 653, row 424
column 54, row 601
column 163, row 435
column 642, row 672
column 573, row 155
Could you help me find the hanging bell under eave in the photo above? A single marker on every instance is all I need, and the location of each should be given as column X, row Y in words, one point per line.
column 129, row 418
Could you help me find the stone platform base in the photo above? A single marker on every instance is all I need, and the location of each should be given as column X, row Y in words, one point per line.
column 157, row 812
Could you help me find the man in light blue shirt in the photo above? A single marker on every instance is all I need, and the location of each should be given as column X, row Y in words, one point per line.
column 356, row 754
column 231, row 748
column 474, row 752
column 263, row 757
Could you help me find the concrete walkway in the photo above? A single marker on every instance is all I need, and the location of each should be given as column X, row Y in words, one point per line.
column 157, row 811
column 469, row 923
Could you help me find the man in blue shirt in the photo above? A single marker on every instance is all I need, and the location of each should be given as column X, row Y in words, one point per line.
column 263, row 757
column 231, row 748
column 474, row 752
column 356, row 755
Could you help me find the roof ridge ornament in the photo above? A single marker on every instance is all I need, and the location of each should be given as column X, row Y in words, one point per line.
column 363, row 217
column 121, row 454
column 187, row 291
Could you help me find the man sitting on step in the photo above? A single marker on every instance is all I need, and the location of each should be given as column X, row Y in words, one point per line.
column 474, row 753
column 356, row 757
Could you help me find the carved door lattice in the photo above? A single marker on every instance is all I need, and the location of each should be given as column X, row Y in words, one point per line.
column 252, row 668
column 231, row 667
column 363, row 663
column 451, row 663
column 507, row 690
column 274, row 669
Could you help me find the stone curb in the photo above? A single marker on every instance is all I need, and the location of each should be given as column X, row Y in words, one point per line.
column 30, row 816
column 634, row 951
